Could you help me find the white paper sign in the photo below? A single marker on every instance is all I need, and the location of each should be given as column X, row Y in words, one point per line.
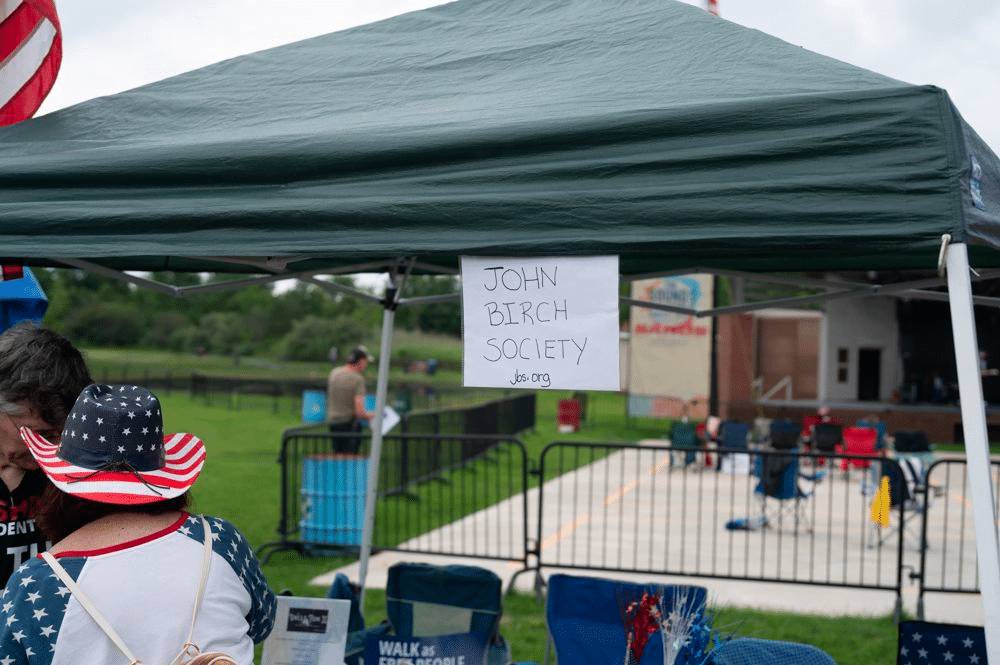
column 308, row 631
column 549, row 322
column 390, row 418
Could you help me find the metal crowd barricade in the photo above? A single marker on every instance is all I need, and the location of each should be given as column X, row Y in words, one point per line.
column 626, row 509
column 322, row 490
column 482, row 499
column 948, row 561
column 631, row 509
column 322, row 495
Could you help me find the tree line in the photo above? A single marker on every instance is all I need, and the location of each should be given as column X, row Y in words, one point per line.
column 300, row 323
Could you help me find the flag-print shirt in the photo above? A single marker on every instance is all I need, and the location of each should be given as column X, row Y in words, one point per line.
column 146, row 590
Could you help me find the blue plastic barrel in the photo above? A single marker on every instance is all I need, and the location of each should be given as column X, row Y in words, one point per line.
column 313, row 406
column 333, row 499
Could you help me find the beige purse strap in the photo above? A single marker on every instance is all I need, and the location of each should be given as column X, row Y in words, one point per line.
column 190, row 649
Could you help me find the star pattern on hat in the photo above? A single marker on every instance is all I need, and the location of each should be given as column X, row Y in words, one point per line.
column 33, row 606
column 125, row 419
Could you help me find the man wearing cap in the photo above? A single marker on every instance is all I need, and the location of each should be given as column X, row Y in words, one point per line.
column 345, row 399
column 41, row 374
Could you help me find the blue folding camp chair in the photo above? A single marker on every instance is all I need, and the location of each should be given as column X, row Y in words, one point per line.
column 342, row 588
column 734, row 436
column 423, row 600
column 584, row 617
column 779, row 490
column 734, row 439
column 756, row 651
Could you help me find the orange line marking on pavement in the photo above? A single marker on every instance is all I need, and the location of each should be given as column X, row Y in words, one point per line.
column 565, row 530
column 617, row 495
column 660, row 466
column 957, row 497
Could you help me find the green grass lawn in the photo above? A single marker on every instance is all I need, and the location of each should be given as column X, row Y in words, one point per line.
column 118, row 363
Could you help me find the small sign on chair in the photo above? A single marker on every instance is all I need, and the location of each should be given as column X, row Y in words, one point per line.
column 308, row 631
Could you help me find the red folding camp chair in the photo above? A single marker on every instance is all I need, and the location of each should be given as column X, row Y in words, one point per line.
column 859, row 441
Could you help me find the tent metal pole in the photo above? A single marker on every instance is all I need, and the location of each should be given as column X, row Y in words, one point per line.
column 381, row 387
column 390, row 301
column 977, row 451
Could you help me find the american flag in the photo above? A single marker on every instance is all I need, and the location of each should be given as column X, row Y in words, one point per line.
column 30, row 55
column 933, row 643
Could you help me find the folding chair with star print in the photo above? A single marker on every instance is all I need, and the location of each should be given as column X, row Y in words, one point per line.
column 926, row 643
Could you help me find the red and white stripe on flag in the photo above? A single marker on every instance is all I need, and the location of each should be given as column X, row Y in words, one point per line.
column 713, row 7
column 30, row 55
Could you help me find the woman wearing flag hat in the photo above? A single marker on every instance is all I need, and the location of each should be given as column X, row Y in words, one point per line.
column 165, row 582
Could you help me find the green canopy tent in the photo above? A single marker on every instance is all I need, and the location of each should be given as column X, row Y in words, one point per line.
column 646, row 129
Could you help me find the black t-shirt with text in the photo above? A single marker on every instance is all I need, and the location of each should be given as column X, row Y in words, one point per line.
column 20, row 538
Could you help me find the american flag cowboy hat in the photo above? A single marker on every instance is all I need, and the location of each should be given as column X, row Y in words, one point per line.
column 113, row 449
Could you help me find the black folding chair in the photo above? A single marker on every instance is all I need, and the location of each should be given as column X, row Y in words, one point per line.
column 785, row 434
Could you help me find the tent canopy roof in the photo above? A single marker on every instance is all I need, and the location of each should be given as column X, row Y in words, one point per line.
column 643, row 128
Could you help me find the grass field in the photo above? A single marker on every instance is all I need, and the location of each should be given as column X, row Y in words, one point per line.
column 118, row 362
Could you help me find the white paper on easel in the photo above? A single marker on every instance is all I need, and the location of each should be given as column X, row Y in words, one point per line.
column 308, row 631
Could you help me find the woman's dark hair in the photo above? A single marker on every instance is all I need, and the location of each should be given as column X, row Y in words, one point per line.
column 59, row 514
column 41, row 369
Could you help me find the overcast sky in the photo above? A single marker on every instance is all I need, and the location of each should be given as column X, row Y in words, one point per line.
column 114, row 45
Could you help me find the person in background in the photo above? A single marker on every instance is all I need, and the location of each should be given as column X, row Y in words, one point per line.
column 41, row 373
column 808, row 435
column 345, row 399
column 873, row 421
column 116, row 509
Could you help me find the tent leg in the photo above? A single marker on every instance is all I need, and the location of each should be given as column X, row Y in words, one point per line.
column 977, row 450
column 375, row 455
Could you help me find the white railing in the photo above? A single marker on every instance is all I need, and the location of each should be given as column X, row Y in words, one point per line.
column 786, row 383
